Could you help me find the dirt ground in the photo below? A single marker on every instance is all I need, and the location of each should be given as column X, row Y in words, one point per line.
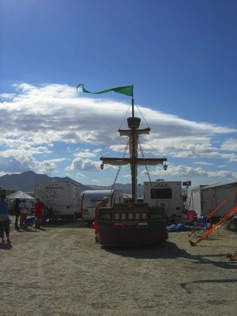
column 60, row 270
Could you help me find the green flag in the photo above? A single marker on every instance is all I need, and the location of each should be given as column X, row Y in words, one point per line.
column 127, row 90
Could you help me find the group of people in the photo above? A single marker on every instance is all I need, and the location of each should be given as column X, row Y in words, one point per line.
column 21, row 212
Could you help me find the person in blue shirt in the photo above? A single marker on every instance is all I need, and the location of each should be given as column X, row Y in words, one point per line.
column 4, row 220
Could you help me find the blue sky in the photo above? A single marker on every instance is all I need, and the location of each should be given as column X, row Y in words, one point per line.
column 180, row 55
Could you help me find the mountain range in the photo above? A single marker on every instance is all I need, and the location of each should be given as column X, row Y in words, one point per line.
column 26, row 181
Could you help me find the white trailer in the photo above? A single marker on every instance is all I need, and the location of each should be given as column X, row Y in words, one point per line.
column 204, row 199
column 63, row 199
column 90, row 198
column 166, row 195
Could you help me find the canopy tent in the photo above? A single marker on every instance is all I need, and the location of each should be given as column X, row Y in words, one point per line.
column 19, row 195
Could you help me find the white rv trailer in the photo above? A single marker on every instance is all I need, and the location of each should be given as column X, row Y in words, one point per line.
column 204, row 199
column 166, row 195
column 90, row 198
column 63, row 199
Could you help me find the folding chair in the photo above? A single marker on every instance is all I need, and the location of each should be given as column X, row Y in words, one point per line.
column 29, row 222
column 203, row 228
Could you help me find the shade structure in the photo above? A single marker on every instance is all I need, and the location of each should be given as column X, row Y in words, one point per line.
column 19, row 195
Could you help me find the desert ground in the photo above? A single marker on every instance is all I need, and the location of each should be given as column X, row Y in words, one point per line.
column 60, row 270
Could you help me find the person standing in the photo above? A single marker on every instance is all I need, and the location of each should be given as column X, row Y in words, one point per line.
column 17, row 212
column 102, row 203
column 39, row 207
column 23, row 213
column 4, row 220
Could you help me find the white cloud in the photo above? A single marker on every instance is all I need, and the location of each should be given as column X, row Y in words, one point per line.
column 83, row 164
column 80, row 176
column 190, row 172
column 203, row 163
column 86, row 153
column 230, row 145
column 52, row 128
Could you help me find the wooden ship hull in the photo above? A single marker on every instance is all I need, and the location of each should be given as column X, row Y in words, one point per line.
column 132, row 225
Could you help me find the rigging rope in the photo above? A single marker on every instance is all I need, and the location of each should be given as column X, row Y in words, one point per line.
column 120, row 166
column 152, row 147
column 138, row 111
column 124, row 117
column 143, row 156
column 142, row 115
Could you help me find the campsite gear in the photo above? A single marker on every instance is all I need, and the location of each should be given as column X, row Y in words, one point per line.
column 232, row 225
column 199, row 198
column 29, row 222
column 203, row 228
column 231, row 213
column 179, row 228
column 19, row 195
column 211, row 214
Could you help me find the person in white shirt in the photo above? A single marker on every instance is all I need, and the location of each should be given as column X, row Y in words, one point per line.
column 23, row 213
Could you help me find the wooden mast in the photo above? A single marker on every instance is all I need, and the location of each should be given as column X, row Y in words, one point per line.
column 133, row 124
column 133, row 133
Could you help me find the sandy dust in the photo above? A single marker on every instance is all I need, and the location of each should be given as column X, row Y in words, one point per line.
column 61, row 271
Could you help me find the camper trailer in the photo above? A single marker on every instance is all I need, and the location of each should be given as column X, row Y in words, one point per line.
column 165, row 195
column 204, row 199
column 63, row 199
column 90, row 198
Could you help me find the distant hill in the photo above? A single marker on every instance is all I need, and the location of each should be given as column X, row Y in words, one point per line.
column 25, row 182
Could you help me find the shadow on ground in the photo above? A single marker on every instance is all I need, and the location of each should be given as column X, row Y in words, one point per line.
column 170, row 250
